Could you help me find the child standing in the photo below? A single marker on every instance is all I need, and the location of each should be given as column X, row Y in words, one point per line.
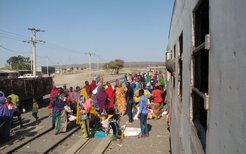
column 143, row 103
column 35, row 109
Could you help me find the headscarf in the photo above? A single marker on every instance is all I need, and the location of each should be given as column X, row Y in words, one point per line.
column 84, row 93
column 53, row 92
column 87, row 105
column 2, row 100
column 93, row 85
column 4, row 111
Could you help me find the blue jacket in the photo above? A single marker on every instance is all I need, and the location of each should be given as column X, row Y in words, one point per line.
column 143, row 105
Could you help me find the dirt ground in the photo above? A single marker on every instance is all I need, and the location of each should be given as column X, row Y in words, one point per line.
column 78, row 79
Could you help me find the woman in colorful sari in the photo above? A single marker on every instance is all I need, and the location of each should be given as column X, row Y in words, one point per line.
column 53, row 92
column 57, row 108
column 111, row 96
column 85, row 118
column 5, row 118
column 121, row 98
column 102, row 100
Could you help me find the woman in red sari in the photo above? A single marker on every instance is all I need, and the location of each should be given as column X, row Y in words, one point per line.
column 111, row 95
column 157, row 99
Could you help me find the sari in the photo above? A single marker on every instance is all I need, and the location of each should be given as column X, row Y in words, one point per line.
column 59, row 120
column 102, row 97
column 111, row 95
column 84, row 93
column 121, row 98
column 93, row 85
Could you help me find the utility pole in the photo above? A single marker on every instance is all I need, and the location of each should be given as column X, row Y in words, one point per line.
column 34, row 41
column 98, row 65
column 90, row 54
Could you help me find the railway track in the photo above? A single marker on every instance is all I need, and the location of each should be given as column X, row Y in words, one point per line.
column 44, row 142
column 48, row 142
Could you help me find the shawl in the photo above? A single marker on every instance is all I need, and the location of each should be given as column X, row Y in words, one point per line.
column 88, row 89
column 84, row 93
column 101, row 96
column 111, row 95
column 110, row 91
column 87, row 105
column 93, row 85
column 53, row 92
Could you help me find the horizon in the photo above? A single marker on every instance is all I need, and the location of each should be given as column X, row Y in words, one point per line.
column 131, row 31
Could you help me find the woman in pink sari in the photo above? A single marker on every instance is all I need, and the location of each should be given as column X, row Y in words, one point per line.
column 53, row 92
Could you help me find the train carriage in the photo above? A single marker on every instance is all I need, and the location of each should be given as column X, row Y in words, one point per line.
column 206, row 89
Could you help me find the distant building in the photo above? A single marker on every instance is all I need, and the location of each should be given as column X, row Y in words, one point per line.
column 46, row 72
column 8, row 74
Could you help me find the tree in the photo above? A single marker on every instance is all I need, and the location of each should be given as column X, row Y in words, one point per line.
column 19, row 62
column 115, row 65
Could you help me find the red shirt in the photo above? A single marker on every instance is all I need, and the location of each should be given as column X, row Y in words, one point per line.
column 157, row 96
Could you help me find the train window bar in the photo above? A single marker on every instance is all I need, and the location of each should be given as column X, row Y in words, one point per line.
column 201, row 46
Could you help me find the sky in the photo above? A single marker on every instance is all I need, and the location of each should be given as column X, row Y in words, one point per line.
column 132, row 30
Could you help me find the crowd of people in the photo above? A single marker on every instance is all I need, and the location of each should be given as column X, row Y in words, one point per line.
column 138, row 95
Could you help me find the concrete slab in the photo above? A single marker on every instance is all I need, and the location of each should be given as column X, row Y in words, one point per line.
column 102, row 145
column 76, row 146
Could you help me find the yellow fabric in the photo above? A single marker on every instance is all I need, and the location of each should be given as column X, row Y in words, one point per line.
column 120, row 99
column 93, row 111
column 136, row 98
column 84, row 93
column 15, row 99
column 78, row 114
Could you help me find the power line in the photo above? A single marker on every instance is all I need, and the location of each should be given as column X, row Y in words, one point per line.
column 11, row 33
column 11, row 50
column 9, row 37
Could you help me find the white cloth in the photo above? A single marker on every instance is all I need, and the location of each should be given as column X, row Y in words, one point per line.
column 135, row 114
column 132, row 131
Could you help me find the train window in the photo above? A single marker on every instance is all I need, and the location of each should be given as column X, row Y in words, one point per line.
column 200, row 58
column 180, row 74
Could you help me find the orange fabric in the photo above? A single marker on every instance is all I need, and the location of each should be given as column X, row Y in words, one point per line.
column 121, row 99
